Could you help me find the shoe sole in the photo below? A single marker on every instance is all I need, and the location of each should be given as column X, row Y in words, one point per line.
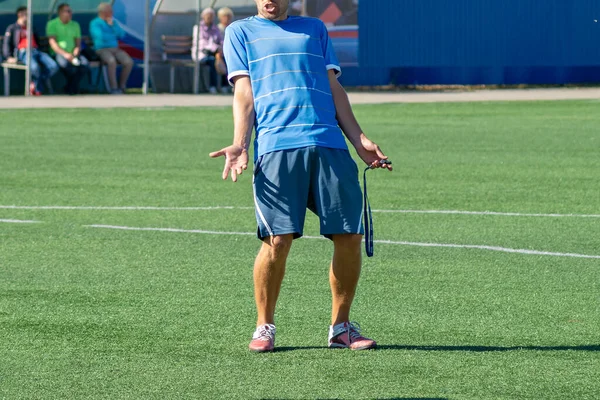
column 261, row 351
column 341, row 346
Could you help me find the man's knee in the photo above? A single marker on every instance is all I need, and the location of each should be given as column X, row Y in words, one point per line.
column 348, row 241
column 110, row 62
column 279, row 246
column 125, row 60
column 52, row 68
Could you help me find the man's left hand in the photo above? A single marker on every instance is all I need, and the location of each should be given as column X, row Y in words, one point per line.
column 371, row 154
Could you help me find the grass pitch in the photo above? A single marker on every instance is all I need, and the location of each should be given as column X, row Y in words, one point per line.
column 102, row 313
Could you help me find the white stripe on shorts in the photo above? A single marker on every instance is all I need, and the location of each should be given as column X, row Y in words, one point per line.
column 260, row 214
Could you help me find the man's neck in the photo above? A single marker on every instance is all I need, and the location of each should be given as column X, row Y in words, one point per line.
column 282, row 17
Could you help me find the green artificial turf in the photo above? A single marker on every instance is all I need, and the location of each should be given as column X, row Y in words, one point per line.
column 101, row 313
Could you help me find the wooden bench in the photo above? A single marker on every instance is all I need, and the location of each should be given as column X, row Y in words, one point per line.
column 103, row 73
column 176, row 51
column 45, row 46
column 7, row 66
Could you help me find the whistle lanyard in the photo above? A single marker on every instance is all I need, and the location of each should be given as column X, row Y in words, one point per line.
column 367, row 217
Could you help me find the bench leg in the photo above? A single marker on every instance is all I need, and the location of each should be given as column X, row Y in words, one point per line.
column 98, row 79
column 172, row 79
column 6, row 81
column 197, row 69
column 49, row 86
column 105, row 76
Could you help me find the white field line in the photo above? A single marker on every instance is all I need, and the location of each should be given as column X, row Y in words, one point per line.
column 504, row 214
column 19, row 221
column 125, row 208
column 209, row 208
column 401, row 243
column 133, row 228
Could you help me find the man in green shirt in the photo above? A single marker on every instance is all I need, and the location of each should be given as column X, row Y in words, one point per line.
column 64, row 36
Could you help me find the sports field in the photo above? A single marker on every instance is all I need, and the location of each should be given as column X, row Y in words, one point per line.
column 465, row 304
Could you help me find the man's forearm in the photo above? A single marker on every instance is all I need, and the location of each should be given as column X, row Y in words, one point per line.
column 57, row 49
column 345, row 115
column 243, row 117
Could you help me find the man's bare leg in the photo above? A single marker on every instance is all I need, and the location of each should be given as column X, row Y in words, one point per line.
column 269, row 269
column 344, row 274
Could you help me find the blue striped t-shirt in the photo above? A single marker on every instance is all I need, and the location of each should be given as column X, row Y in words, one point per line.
column 287, row 62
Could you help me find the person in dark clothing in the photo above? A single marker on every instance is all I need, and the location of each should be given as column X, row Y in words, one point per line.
column 15, row 49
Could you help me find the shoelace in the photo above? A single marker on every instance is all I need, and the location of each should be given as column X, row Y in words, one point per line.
column 264, row 333
column 353, row 331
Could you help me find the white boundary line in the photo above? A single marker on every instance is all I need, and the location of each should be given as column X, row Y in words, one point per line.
column 125, row 208
column 504, row 214
column 19, row 221
column 133, row 228
column 209, row 208
column 455, row 246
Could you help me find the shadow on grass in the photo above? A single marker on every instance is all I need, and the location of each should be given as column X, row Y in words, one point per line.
column 476, row 349
column 589, row 347
column 294, row 348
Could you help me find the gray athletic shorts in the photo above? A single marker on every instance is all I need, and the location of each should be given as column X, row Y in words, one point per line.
column 324, row 180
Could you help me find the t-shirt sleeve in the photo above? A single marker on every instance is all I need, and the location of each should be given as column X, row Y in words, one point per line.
column 50, row 28
column 234, row 50
column 331, row 60
column 77, row 30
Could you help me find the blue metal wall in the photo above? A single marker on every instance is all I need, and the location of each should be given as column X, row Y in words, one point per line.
column 481, row 41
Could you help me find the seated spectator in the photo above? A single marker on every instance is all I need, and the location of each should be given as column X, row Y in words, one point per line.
column 15, row 49
column 64, row 36
column 225, row 15
column 206, row 47
column 105, row 32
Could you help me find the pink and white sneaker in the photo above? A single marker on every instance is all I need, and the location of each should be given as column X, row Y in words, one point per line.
column 263, row 339
column 347, row 335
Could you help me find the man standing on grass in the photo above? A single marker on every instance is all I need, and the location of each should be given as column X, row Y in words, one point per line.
column 285, row 74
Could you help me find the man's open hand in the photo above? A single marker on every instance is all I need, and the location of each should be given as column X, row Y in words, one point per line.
column 236, row 160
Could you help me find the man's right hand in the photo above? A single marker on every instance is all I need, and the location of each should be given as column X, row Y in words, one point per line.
column 236, row 160
column 11, row 60
column 68, row 56
column 109, row 21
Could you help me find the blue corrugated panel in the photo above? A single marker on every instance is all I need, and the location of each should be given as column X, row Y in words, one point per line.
column 479, row 33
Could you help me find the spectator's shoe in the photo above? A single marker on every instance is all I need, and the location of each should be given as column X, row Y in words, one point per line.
column 33, row 91
column 226, row 89
column 263, row 339
column 116, row 91
column 347, row 335
column 212, row 90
